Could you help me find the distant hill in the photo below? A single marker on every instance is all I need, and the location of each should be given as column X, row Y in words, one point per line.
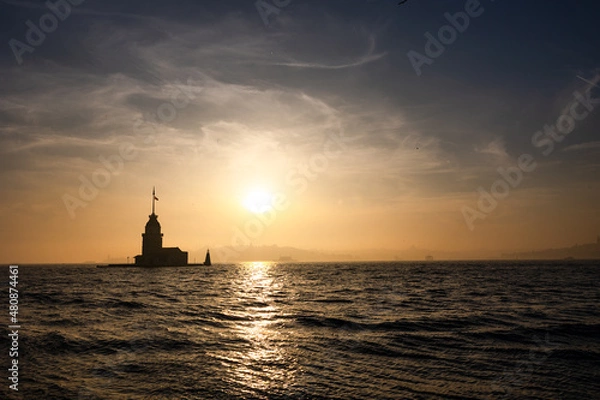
column 272, row 253
column 580, row 252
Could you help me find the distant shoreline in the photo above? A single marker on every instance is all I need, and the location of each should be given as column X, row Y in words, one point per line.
column 437, row 261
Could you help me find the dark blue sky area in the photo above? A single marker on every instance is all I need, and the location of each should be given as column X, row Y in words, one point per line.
column 519, row 43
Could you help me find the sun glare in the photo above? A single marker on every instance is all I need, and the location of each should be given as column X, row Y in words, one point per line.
column 258, row 201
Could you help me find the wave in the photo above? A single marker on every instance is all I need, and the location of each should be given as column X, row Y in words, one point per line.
column 405, row 325
column 540, row 335
column 118, row 303
column 58, row 343
column 334, row 301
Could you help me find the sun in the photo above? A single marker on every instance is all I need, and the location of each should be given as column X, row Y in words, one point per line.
column 258, row 201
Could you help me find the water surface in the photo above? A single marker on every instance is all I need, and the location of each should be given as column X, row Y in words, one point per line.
column 452, row 330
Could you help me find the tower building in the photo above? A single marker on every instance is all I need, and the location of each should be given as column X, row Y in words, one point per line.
column 152, row 251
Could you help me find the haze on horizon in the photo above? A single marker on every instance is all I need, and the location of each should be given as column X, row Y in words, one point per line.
column 320, row 111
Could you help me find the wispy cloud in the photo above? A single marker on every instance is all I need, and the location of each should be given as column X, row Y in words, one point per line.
column 361, row 61
column 583, row 146
column 495, row 148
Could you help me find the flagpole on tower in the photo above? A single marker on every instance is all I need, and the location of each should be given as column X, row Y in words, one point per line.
column 153, row 198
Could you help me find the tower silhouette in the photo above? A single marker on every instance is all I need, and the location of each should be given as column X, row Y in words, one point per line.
column 153, row 253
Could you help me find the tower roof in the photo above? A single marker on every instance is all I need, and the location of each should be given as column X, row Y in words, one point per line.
column 153, row 226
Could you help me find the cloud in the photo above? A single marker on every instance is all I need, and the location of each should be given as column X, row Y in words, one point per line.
column 495, row 148
column 367, row 58
column 583, row 146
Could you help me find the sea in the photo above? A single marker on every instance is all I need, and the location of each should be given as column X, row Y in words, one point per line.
column 265, row 330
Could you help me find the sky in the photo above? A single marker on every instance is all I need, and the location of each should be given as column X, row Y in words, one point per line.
column 337, row 126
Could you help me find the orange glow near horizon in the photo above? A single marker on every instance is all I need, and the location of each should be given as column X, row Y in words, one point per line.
column 110, row 227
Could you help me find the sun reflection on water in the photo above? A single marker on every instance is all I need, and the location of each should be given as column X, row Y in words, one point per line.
column 262, row 361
